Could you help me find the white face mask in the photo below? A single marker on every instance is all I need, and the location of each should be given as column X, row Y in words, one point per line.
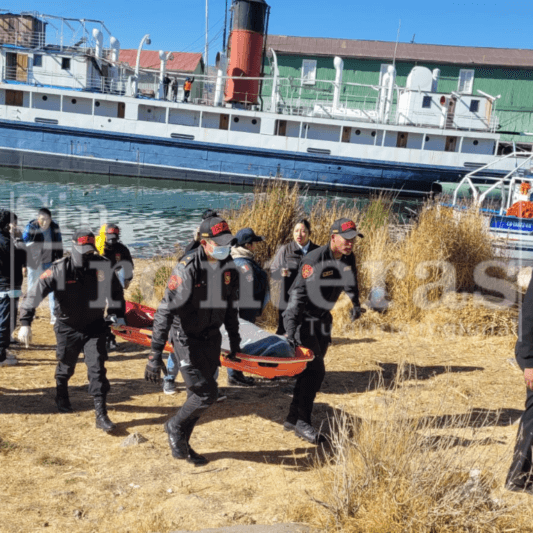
column 221, row 252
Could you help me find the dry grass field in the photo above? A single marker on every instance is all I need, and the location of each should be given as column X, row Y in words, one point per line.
column 421, row 404
column 61, row 474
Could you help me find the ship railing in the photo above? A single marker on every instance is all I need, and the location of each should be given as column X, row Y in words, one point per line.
column 24, row 39
column 506, row 184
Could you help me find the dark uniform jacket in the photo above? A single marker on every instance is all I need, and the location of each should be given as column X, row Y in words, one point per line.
column 319, row 284
column 198, row 300
column 524, row 344
column 119, row 252
column 253, row 286
column 12, row 260
column 80, row 295
column 284, row 267
column 37, row 254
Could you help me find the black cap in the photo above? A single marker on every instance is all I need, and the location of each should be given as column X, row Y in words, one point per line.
column 345, row 228
column 83, row 240
column 112, row 232
column 217, row 230
column 247, row 236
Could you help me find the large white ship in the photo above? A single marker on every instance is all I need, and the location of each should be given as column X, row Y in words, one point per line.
column 76, row 107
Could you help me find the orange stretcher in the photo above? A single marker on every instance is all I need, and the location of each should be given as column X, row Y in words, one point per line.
column 139, row 321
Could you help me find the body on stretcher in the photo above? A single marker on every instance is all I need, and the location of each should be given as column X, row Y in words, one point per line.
column 268, row 355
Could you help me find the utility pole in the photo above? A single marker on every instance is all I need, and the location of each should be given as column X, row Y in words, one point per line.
column 206, row 54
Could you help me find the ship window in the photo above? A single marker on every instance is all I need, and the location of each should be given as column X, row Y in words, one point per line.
column 358, row 132
column 37, row 60
column 45, row 97
column 236, row 119
column 426, row 102
column 65, row 63
column 308, row 71
column 373, row 134
column 466, row 81
column 254, row 121
column 97, row 104
column 474, row 106
column 74, row 100
column 475, row 143
column 427, row 138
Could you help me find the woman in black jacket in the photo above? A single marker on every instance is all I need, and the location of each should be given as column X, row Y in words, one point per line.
column 286, row 263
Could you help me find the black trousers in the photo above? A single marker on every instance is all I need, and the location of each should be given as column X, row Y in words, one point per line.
column 521, row 471
column 70, row 343
column 316, row 335
column 198, row 360
column 8, row 318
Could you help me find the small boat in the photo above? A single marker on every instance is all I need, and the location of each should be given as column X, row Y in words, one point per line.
column 507, row 204
column 139, row 321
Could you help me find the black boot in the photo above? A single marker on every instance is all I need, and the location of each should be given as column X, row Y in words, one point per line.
column 102, row 420
column 178, row 439
column 62, row 399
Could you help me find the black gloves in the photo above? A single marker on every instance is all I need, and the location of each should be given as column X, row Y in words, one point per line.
column 356, row 313
column 292, row 343
column 232, row 356
column 152, row 372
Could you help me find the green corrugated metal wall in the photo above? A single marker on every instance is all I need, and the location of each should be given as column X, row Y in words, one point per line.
column 514, row 109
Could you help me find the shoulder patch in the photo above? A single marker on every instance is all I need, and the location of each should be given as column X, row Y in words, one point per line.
column 174, row 282
column 327, row 273
column 46, row 274
column 118, row 257
column 307, row 271
column 245, row 268
column 227, row 278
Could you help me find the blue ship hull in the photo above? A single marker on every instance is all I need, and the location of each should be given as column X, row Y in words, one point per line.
column 50, row 147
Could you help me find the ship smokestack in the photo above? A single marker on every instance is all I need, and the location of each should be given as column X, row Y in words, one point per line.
column 246, row 49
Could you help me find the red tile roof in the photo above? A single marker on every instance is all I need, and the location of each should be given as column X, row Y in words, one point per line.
column 459, row 55
column 183, row 61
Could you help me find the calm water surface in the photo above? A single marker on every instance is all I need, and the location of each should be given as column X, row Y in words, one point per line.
column 153, row 215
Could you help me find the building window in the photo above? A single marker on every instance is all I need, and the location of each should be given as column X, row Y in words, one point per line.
column 426, row 102
column 65, row 63
column 474, row 106
column 308, row 71
column 466, row 82
column 37, row 61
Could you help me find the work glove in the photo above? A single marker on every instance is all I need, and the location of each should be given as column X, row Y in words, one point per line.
column 232, row 356
column 24, row 336
column 528, row 377
column 292, row 342
column 152, row 372
column 356, row 313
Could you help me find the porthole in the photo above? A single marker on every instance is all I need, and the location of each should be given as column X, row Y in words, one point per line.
column 254, row 121
column 97, row 104
column 236, row 119
column 373, row 134
column 402, row 136
column 339, row 168
column 149, row 111
column 45, row 97
column 427, row 138
column 74, row 100
column 109, row 120
column 476, row 143
column 358, row 132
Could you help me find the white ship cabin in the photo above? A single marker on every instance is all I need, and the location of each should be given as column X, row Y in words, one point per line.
column 82, row 84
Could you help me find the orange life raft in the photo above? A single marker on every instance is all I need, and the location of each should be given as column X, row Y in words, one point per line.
column 139, row 321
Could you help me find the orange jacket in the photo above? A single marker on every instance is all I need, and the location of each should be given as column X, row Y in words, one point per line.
column 187, row 86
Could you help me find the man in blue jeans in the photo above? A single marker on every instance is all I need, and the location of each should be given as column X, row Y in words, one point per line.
column 12, row 261
column 44, row 245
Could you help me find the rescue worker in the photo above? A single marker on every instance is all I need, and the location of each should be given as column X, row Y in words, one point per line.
column 520, row 476
column 253, row 289
column 201, row 295
column 169, row 381
column 12, row 261
column 108, row 245
column 81, row 283
column 286, row 264
column 187, row 86
column 324, row 274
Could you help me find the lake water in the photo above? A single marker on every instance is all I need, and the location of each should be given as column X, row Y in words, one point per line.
column 153, row 215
